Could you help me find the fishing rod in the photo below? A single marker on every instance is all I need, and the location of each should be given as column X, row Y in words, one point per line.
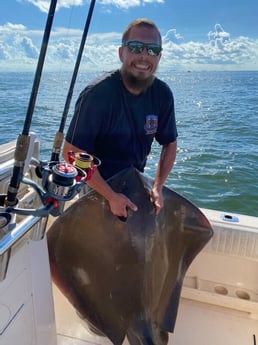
column 23, row 140
column 61, row 181
column 60, row 134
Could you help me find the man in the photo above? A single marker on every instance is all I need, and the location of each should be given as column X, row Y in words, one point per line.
column 117, row 117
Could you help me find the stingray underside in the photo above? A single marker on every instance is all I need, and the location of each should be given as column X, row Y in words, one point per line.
column 125, row 277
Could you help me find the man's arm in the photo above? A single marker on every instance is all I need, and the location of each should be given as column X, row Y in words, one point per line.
column 165, row 165
column 69, row 147
column 118, row 202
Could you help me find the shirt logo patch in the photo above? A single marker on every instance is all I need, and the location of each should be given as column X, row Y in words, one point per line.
column 151, row 124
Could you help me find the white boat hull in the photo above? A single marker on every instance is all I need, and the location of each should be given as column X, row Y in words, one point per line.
column 26, row 302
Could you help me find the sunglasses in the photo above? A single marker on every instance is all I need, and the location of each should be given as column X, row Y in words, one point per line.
column 137, row 47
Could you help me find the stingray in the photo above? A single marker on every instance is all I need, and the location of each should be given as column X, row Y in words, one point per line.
column 124, row 276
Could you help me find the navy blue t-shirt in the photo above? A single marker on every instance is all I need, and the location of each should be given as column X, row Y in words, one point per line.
column 119, row 127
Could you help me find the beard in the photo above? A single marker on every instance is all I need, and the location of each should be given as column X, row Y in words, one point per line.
column 137, row 84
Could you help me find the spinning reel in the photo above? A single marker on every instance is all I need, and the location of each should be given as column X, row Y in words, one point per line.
column 61, row 181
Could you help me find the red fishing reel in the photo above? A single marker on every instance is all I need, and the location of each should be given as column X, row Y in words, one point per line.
column 84, row 161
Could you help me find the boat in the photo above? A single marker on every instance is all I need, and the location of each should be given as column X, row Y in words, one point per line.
column 219, row 297
column 218, row 305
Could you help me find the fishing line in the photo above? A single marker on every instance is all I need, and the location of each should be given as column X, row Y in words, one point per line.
column 23, row 140
column 60, row 134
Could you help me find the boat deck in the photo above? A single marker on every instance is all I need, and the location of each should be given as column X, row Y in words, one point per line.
column 205, row 325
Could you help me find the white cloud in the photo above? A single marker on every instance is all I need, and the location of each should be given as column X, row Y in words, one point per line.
column 218, row 37
column 129, row 3
column 9, row 27
column 4, row 56
column 43, row 5
column 153, row 1
column 19, row 48
column 171, row 35
column 240, row 53
column 122, row 3
column 219, row 33
column 29, row 49
column 219, row 52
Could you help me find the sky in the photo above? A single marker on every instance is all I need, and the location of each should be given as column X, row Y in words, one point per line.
column 197, row 35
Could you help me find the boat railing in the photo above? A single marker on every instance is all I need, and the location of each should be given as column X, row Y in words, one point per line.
column 19, row 226
column 35, row 225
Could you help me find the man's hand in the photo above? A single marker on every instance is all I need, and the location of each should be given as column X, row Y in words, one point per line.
column 119, row 204
column 157, row 199
column 166, row 162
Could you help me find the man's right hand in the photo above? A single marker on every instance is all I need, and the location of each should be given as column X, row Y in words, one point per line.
column 119, row 204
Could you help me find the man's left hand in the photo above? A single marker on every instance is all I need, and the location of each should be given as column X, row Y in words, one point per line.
column 157, row 199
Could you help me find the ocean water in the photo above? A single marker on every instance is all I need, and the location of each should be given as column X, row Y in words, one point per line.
column 217, row 119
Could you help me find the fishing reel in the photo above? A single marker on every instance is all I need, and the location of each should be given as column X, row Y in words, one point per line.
column 61, row 182
column 84, row 161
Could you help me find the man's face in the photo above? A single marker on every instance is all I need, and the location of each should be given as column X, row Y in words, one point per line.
column 140, row 66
